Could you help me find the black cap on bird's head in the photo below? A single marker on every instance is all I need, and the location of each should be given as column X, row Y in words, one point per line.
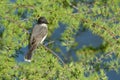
column 42, row 20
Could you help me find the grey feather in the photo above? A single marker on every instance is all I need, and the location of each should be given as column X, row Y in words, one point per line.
column 38, row 35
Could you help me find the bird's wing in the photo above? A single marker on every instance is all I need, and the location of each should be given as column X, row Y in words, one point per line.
column 39, row 33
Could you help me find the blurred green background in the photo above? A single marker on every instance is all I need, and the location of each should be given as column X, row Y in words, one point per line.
column 85, row 33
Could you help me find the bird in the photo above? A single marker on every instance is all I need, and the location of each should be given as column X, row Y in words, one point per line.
column 38, row 35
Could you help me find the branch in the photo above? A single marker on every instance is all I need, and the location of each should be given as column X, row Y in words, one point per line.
column 75, row 7
column 106, row 55
column 21, row 6
column 53, row 53
column 49, row 43
column 101, row 27
column 18, row 23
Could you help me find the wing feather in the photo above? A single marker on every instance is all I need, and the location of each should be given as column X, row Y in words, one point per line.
column 39, row 33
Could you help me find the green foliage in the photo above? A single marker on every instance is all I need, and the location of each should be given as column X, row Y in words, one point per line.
column 99, row 16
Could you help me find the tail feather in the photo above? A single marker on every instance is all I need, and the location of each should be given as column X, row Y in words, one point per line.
column 32, row 47
column 28, row 56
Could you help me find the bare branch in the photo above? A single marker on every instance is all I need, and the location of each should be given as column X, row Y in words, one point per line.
column 53, row 53
column 49, row 43
column 73, row 6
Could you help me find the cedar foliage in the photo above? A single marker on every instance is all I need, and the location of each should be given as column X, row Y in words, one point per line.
column 100, row 16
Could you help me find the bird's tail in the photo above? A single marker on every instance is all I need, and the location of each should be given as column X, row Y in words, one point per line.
column 28, row 56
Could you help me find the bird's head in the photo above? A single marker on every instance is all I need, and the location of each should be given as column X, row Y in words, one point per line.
column 42, row 20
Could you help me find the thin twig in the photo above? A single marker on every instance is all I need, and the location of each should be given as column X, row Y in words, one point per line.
column 49, row 43
column 53, row 53
column 106, row 55
column 75, row 7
